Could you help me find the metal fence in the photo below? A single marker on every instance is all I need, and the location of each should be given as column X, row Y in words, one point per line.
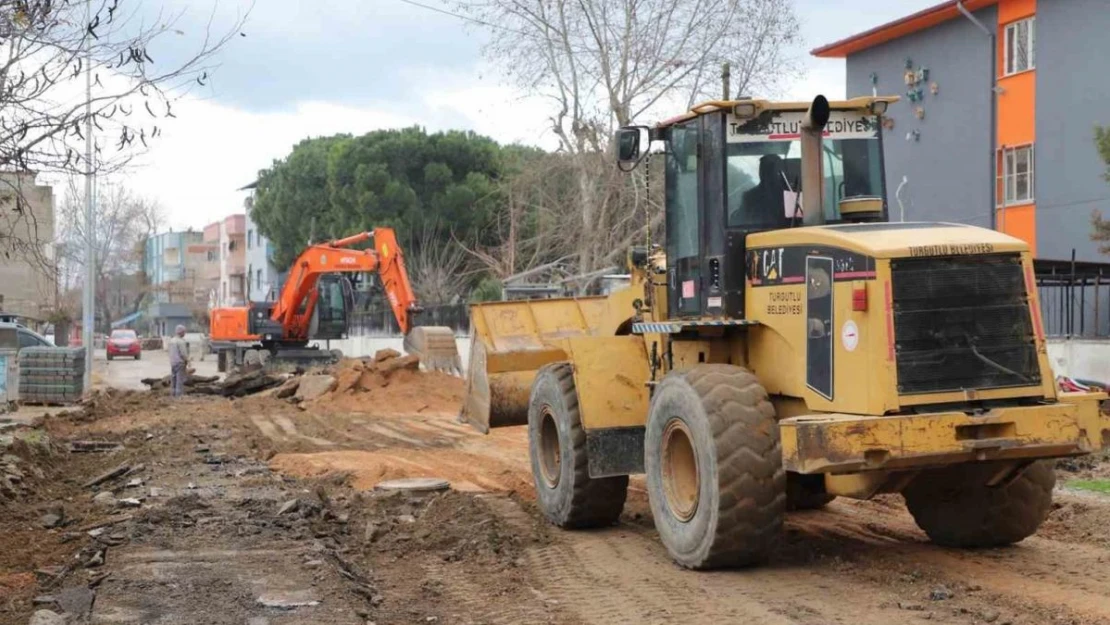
column 1075, row 298
column 379, row 320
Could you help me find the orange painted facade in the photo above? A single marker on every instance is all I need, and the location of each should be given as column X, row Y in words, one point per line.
column 1017, row 109
column 1016, row 99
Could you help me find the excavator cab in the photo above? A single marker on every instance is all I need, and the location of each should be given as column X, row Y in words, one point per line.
column 334, row 302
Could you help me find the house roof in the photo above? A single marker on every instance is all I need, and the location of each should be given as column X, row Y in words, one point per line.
column 919, row 21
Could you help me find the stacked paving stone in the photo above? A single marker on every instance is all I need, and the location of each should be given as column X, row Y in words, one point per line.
column 51, row 375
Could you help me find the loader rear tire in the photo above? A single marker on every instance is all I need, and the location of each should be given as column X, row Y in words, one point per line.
column 713, row 460
column 956, row 508
column 567, row 495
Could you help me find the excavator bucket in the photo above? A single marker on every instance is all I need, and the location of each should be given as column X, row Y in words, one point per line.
column 512, row 340
column 436, row 348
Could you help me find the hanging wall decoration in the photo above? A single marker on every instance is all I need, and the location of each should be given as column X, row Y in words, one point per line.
column 917, row 81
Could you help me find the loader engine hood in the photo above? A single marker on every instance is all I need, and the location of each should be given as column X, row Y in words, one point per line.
column 897, row 240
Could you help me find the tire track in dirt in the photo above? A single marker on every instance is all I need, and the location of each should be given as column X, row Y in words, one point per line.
column 1067, row 578
column 623, row 575
column 837, row 568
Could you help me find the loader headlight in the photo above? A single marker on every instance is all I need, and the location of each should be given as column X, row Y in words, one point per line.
column 744, row 110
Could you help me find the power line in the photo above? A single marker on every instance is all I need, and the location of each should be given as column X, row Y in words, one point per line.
column 465, row 18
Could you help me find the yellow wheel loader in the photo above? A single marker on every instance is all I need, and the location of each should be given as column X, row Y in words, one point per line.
column 788, row 345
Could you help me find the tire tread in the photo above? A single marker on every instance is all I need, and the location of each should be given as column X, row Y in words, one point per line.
column 595, row 502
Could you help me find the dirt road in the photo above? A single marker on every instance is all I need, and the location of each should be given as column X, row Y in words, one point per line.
column 212, row 544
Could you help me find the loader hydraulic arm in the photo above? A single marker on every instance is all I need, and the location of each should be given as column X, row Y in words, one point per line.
column 298, row 297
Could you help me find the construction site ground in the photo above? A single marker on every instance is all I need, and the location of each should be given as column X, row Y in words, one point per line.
column 256, row 511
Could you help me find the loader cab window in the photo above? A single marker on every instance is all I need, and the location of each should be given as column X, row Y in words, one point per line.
column 764, row 171
column 683, row 219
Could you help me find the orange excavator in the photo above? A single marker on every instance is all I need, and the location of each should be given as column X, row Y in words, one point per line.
column 315, row 303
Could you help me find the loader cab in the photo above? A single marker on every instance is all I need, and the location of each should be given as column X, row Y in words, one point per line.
column 736, row 168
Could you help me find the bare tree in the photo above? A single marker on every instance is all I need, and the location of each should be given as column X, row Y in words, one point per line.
column 124, row 221
column 605, row 63
column 48, row 48
column 435, row 267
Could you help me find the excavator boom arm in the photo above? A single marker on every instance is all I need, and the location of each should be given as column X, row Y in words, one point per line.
column 298, row 297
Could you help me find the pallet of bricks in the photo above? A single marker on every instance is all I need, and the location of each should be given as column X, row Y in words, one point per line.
column 51, row 375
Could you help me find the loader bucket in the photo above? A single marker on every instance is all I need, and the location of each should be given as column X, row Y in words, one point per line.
column 512, row 340
column 436, row 348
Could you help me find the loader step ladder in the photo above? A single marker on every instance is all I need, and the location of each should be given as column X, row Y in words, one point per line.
column 677, row 327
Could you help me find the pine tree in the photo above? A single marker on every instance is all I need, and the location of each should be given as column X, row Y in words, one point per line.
column 1101, row 226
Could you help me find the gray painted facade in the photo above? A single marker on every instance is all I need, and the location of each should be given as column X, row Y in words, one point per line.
column 949, row 167
column 1073, row 95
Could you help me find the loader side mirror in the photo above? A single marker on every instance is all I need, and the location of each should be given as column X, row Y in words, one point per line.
column 631, row 141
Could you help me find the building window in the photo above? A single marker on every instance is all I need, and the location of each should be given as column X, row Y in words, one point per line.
column 258, row 280
column 250, row 239
column 1015, row 179
column 1020, row 46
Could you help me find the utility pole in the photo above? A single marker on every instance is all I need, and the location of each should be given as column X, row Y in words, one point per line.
column 88, row 293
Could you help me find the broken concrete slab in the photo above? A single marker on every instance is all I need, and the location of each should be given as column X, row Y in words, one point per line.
column 76, row 601
column 313, row 386
column 50, row 521
column 383, row 355
column 104, row 477
column 289, row 506
column 288, row 600
column 410, row 362
column 47, row 617
column 105, row 499
column 94, row 446
column 288, row 389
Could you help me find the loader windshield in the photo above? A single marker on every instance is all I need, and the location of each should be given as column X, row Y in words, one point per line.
column 764, row 170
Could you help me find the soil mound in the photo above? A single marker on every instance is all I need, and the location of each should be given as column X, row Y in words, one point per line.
column 393, row 385
column 455, row 526
column 111, row 402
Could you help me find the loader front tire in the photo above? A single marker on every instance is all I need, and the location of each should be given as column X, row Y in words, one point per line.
column 713, row 460
column 956, row 508
column 566, row 493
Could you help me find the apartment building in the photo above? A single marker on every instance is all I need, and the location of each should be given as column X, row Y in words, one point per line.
column 995, row 128
column 28, row 282
column 263, row 278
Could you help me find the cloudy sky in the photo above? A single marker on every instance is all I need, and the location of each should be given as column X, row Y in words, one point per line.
column 318, row 67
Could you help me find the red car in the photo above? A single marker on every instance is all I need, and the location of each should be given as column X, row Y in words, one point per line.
column 124, row 343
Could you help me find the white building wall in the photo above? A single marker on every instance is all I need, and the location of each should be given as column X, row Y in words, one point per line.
column 223, row 295
column 1088, row 359
column 262, row 275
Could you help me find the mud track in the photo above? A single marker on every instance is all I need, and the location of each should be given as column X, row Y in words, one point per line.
column 482, row 554
column 854, row 562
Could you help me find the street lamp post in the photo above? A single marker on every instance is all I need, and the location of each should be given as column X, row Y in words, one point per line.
column 88, row 292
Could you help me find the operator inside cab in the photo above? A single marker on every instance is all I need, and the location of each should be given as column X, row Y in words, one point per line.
column 764, row 171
